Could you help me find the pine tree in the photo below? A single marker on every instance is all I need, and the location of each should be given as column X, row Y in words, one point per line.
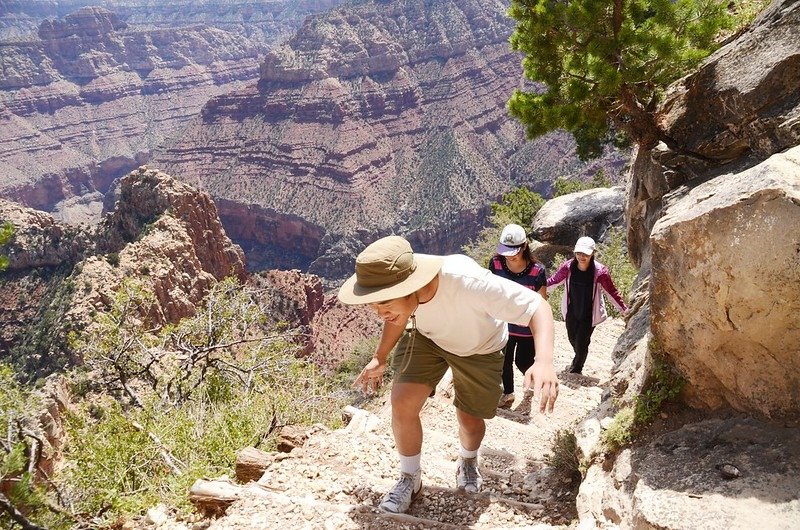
column 604, row 64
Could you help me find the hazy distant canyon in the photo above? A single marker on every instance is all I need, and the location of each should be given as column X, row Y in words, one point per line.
column 372, row 118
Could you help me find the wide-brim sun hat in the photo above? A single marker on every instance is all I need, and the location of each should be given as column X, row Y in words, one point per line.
column 388, row 269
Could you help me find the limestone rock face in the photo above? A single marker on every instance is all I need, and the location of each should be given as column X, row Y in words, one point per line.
column 741, row 106
column 718, row 295
column 726, row 288
column 744, row 100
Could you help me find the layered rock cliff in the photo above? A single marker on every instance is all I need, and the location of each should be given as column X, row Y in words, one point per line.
column 715, row 232
column 90, row 98
column 263, row 22
column 374, row 118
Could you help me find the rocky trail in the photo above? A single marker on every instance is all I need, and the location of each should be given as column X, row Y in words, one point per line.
column 336, row 479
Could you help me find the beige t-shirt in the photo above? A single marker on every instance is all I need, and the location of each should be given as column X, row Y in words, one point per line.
column 468, row 313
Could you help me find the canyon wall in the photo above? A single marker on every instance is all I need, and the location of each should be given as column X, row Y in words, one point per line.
column 374, row 118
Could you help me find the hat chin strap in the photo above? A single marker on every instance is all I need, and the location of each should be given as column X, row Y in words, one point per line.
column 410, row 348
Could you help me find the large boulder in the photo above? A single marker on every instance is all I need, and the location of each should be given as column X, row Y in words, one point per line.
column 714, row 231
column 725, row 295
column 562, row 220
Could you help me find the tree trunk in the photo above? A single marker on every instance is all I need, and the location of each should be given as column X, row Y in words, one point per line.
column 637, row 122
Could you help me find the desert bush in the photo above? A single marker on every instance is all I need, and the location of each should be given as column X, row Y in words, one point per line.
column 6, row 232
column 21, row 447
column 163, row 407
column 613, row 253
column 565, row 186
column 664, row 384
column 564, row 454
column 518, row 206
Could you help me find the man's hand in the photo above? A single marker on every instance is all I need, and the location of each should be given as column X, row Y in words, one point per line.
column 541, row 378
column 371, row 377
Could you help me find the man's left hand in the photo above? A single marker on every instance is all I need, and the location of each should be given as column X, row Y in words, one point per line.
column 541, row 378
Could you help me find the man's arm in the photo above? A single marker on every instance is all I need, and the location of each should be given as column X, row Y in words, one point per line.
column 541, row 377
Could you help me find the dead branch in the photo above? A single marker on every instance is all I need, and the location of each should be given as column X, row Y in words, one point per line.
column 166, row 455
column 16, row 515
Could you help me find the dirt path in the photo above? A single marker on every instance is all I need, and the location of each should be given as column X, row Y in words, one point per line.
column 336, row 480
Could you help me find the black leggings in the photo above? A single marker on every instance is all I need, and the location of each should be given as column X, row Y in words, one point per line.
column 525, row 354
column 579, row 333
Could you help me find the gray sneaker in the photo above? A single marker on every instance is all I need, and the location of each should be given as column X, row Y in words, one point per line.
column 403, row 494
column 468, row 477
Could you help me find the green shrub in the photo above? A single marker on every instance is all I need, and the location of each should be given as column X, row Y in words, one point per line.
column 664, row 385
column 565, row 186
column 556, row 294
column 564, row 454
column 18, row 436
column 613, row 253
column 187, row 397
column 518, row 206
column 6, row 232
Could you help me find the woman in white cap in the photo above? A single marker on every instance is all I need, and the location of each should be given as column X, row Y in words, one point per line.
column 582, row 304
column 514, row 261
column 458, row 312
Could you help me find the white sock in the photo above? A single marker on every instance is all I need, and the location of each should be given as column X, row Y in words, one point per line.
column 410, row 464
column 465, row 453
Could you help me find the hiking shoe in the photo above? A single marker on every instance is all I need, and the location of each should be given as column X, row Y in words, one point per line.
column 505, row 401
column 403, row 494
column 468, row 477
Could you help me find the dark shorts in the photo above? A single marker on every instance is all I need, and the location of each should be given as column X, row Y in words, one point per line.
column 477, row 379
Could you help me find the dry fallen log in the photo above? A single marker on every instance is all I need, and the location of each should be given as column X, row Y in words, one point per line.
column 251, row 464
column 212, row 497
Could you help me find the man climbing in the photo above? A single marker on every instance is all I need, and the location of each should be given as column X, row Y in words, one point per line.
column 458, row 312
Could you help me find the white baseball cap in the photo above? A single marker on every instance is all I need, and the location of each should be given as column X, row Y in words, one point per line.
column 512, row 240
column 585, row 245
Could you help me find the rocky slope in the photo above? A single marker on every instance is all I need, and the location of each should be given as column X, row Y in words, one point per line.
column 331, row 330
column 374, row 118
column 336, row 479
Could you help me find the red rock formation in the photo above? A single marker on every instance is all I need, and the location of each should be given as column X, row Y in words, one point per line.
column 332, row 331
column 163, row 232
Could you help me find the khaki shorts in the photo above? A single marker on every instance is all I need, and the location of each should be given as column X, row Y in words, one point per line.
column 477, row 379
